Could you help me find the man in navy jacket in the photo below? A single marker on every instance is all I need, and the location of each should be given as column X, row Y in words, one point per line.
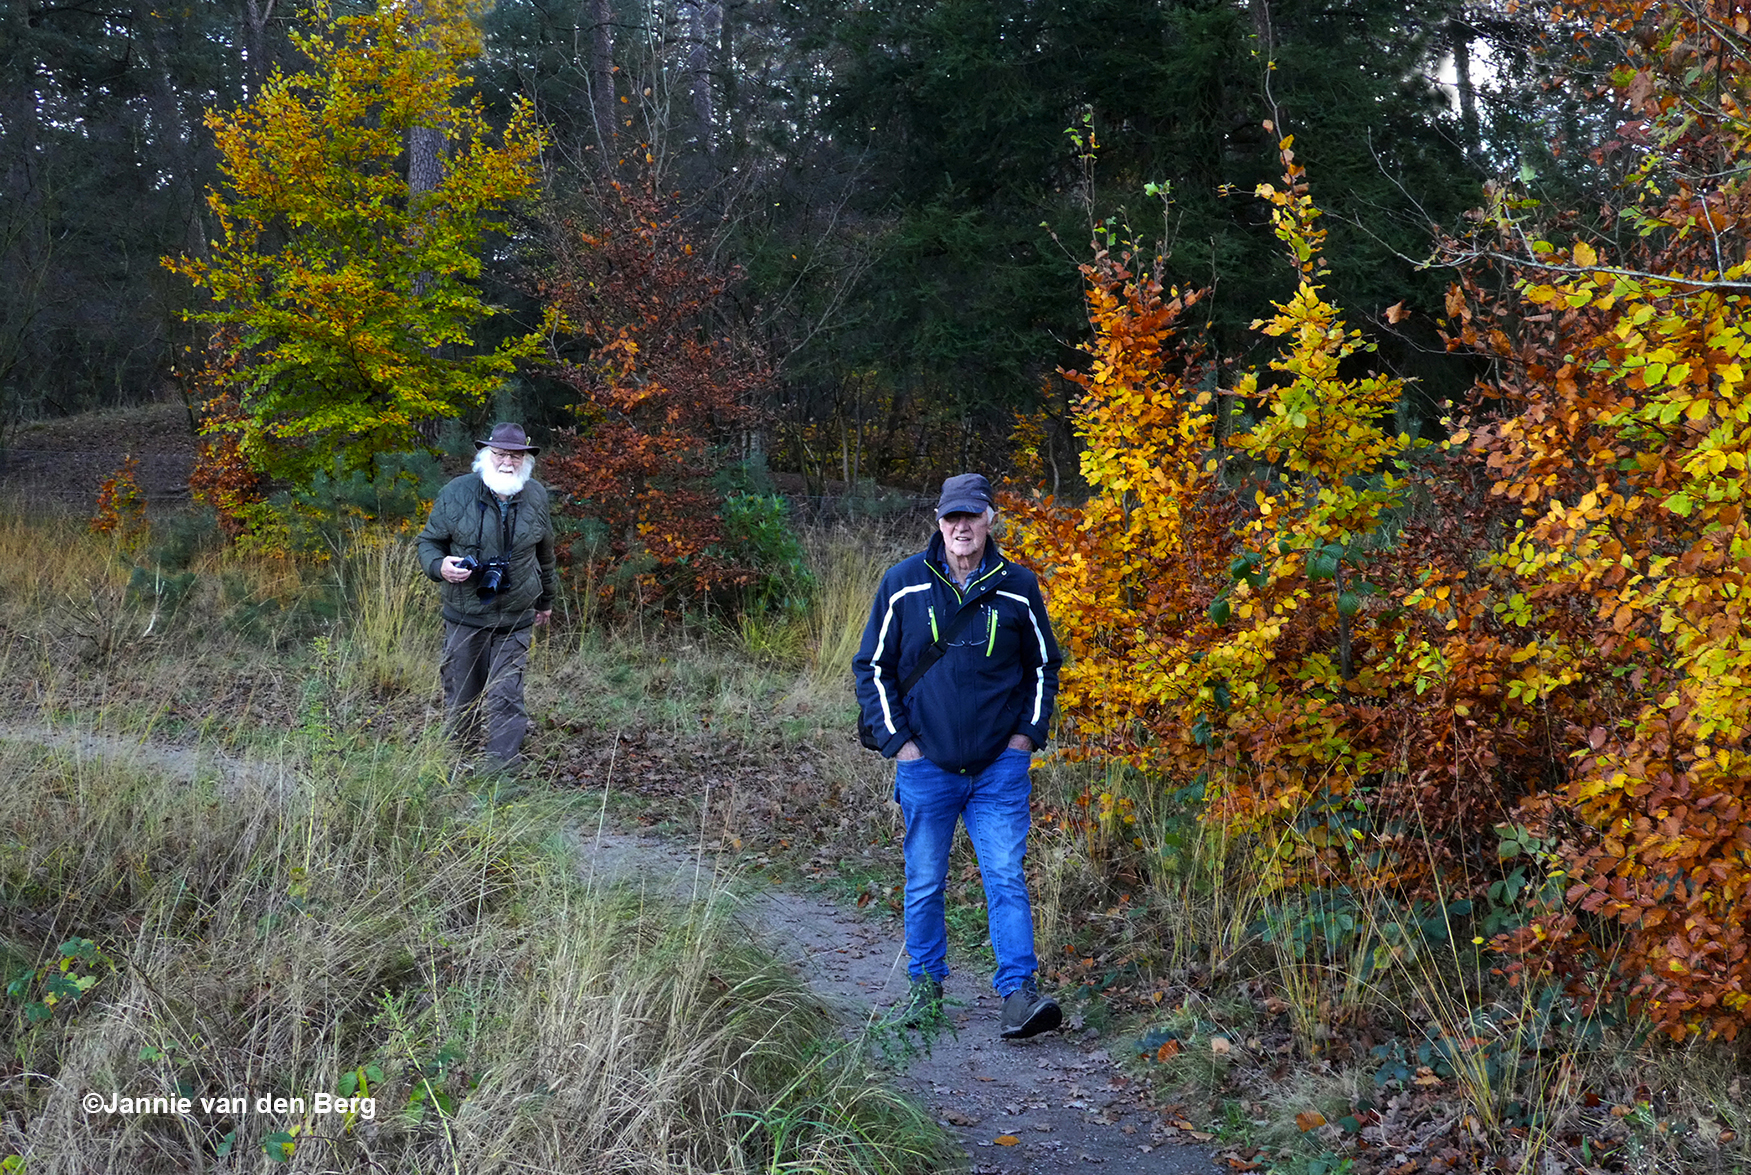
column 963, row 738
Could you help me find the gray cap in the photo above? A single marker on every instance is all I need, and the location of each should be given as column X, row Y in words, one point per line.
column 964, row 493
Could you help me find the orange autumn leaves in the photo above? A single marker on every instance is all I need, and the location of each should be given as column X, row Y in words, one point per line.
column 1628, row 456
column 1213, row 615
column 1554, row 638
column 666, row 388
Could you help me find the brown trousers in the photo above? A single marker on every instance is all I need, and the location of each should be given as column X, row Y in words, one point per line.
column 482, row 671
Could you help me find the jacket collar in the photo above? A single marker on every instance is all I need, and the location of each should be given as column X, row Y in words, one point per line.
column 991, row 566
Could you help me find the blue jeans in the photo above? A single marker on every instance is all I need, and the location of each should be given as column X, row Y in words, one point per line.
column 994, row 804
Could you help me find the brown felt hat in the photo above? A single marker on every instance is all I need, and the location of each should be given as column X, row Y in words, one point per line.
column 509, row 437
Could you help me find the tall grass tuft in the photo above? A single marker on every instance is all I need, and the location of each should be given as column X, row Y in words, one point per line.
column 392, row 616
column 47, row 560
column 848, row 563
column 372, row 933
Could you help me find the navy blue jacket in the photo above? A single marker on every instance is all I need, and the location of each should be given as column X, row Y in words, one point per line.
column 998, row 677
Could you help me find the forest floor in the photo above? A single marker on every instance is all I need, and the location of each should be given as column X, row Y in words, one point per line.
column 64, row 461
column 723, row 748
column 1052, row 1104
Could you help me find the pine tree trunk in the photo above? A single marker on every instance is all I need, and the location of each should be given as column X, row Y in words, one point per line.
column 602, row 105
column 425, row 172
column 1459, row 36
column 704, row 21
column 256, row 14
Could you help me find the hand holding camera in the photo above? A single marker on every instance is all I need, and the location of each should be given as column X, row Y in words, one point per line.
column 490, row 572
column 452, row 571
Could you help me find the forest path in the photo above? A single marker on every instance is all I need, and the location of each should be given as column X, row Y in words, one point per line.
column 1058, row 1096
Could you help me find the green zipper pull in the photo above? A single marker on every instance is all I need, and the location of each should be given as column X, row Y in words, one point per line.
column 991, row 641
column 933, row 633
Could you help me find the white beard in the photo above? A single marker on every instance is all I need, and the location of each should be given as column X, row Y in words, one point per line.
column 505, row 484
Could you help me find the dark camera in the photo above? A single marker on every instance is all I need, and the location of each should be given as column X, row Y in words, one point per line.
column 491, row 574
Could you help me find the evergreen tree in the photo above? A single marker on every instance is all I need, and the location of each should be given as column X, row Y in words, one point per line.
column 983, row 202
column 102, row 165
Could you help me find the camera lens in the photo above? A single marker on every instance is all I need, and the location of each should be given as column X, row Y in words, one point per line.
column 492, row 576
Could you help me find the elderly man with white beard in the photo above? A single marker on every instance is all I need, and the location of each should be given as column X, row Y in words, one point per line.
column 489, row 542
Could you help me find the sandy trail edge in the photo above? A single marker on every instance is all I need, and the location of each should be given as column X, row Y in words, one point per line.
column 1058, row 1095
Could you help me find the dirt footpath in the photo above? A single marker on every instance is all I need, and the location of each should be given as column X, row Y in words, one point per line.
column 1035, row 1107
column 1051, row 1104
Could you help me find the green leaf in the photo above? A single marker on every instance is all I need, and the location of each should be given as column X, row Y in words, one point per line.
column 79, row 948
column 416, row 1102
column 279, row 1146
column 1220, row 610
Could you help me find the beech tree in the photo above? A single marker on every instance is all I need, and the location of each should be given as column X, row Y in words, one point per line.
column 353, row 295
column 665, row 391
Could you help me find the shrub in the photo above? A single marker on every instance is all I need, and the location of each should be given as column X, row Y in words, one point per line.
column 1553, row 649
column 758, row 535
column 664, row 385
column 121, row 507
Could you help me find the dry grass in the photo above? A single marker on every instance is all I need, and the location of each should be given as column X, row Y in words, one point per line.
column 1397, row 1021
column 272, row 934
column 848, row 565
column 331, row 905
column 392, row 632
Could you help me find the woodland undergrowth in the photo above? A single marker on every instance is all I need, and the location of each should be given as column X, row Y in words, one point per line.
column 1295, row 1026
column 240, row 860
column 1455, row 725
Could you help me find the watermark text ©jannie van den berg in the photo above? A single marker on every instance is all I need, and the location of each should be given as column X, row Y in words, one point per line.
column 322, row 1103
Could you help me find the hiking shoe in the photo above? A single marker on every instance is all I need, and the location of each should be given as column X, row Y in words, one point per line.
column 1028, row 1013
column 923, row 1004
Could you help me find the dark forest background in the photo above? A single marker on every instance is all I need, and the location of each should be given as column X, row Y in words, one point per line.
column 890, row 184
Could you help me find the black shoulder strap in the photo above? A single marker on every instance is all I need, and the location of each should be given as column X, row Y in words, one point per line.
column 929, row 657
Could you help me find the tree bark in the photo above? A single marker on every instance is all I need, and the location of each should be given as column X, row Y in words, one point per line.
column 177, row 145
column 425, row 172
column 602, row 105
column 1459, row 36
column 425, row 161
column 256, row 14
column 704, row 21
